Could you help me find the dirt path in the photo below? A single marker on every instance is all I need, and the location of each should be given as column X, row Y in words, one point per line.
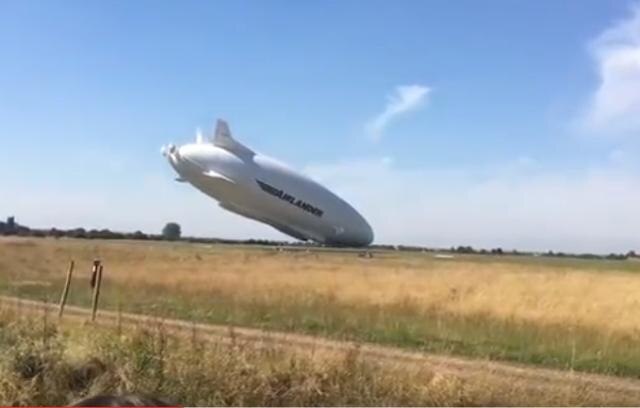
column 480, row 371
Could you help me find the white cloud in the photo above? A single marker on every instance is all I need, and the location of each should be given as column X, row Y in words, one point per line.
column 404, row 99
column 615, row 105
column 508, row 206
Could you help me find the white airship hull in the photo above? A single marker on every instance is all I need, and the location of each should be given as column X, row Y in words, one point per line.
column 260, row 188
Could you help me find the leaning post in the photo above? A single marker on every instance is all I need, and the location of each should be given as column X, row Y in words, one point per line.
column 96, row 293
column 65, row 291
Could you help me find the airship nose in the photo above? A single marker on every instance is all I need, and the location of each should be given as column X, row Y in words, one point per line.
column 171, row 153
column 181, row 159
column 364, row 233
column 168, row 150
column 190, row 153
column 368, row 233
column 359, row 233
column 185, row 159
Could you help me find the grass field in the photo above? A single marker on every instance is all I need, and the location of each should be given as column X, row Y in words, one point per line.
column 71, row 362
column 565, row 313
column 56, row 364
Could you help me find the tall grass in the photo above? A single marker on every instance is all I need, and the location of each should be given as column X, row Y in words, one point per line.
column 77, row 361
column 564, row 313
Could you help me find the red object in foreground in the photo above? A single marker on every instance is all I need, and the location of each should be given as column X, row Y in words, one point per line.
column 96, row 406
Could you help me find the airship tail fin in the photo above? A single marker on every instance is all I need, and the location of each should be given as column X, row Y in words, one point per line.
column 223, row 139
column 222, row 131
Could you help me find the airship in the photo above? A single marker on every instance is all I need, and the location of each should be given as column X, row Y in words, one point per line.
column 263, row 189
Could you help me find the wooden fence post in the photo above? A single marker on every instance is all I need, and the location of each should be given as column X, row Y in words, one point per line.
column 94, row 273
column 96, row 293
column 65, row 291
column 119, row 318
column 45, row 320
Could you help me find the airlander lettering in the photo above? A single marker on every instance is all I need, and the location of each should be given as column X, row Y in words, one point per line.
column 290, row 198
column 224, row 169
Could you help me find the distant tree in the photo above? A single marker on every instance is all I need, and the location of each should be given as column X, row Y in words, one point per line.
column 139, row 235
column 11, row 224
column 78, row 233
column 615, row 256
column 171, row 231
column 631, row 254
column 38, row 233
column 10, row 227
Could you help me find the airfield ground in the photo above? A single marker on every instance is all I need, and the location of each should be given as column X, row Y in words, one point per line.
column 568, row 314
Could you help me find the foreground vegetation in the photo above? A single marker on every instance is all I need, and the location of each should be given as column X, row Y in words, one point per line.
column 42, row 364
column 573, row 314
column 75, row 362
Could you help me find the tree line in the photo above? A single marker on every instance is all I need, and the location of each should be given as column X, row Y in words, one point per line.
column 173, row 232
column 170, row 232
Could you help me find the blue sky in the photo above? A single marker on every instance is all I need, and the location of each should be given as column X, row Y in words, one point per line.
column 496, row 123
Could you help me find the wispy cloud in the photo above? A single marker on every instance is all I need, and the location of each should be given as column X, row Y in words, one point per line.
column 615, row 105
column 511, row 205
column 405, row 98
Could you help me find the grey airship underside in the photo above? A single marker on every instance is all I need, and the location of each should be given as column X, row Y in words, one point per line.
column 262, row 189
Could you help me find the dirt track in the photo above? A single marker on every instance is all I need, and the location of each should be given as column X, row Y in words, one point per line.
column 519, row 376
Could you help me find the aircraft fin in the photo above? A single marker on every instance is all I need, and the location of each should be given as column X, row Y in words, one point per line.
column 223, row 139
column 199, row 138
column 223, row 132
column 217, row 176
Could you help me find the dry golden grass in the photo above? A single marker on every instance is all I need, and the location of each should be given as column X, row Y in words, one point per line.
column 62, row 364
column 605, row 297
column 567, row 313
